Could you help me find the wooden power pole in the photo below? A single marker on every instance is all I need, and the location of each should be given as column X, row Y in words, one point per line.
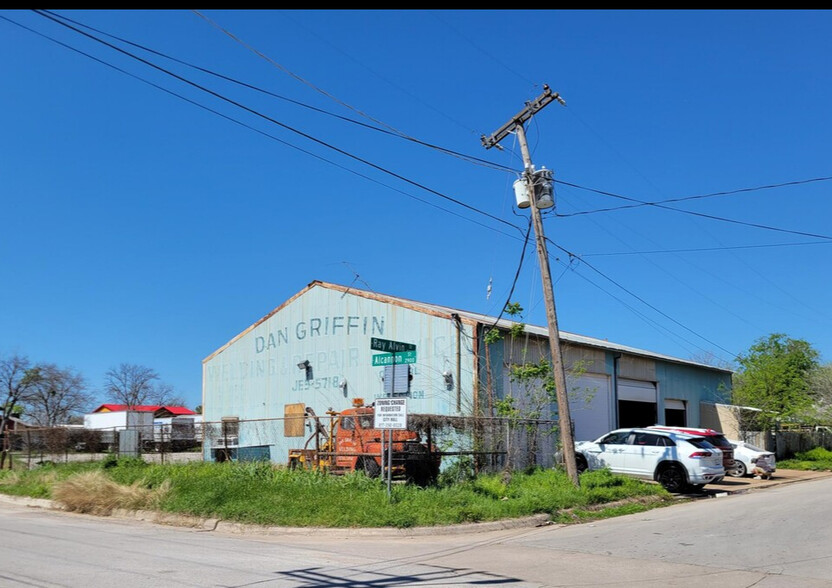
column 516, row 125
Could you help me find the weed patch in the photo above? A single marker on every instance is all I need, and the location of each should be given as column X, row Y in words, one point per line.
column 95, row 493
column 269, row 494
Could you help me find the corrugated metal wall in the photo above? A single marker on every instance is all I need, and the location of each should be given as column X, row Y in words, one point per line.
column 257, row 375
column 692, row 385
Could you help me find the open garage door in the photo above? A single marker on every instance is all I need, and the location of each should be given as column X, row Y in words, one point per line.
column 636, row 403
column 675, row 413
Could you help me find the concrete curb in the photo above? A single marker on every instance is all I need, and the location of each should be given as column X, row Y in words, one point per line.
column 740, row 486
column 27, row 501
column 209, row 524
column 466, row 528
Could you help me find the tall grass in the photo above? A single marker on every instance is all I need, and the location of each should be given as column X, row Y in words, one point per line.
column 262, row 493
column 93, row 492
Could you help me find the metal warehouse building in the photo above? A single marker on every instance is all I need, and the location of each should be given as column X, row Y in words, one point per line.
column 314, row 352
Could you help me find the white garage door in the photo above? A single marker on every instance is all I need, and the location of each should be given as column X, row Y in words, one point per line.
column 636, row 390
column 590, row 402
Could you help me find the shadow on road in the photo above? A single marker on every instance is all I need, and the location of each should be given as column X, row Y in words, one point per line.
column 356, row 577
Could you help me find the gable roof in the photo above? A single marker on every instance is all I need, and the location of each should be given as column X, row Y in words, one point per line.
column 471, row 318
column 120, row 407
column 175, row 410
column 154, row 408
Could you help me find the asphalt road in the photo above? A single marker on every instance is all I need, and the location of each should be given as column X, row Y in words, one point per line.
column 776, row 536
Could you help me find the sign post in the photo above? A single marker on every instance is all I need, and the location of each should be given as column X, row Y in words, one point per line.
column 390, row 414
column 392, row 351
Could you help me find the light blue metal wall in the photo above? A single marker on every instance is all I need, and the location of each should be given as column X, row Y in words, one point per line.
column 693, row 385
column 257, row 374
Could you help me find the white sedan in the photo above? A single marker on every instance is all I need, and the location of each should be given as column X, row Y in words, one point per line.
column 747, row 457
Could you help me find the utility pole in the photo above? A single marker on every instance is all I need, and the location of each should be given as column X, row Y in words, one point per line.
column 516, row 125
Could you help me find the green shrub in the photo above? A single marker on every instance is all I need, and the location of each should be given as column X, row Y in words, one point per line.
column 816, row 454
column 817, row 459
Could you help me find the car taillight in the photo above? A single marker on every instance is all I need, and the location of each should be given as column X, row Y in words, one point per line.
column 700, row 454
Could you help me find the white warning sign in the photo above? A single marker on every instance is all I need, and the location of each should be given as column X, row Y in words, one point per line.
column 391, row 413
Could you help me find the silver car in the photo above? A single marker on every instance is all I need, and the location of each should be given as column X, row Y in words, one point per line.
column 678, row 461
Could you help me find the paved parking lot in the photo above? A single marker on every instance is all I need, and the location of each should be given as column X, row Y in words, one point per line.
column 737, row 485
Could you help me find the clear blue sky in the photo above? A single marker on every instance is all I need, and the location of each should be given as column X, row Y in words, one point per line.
column 148, row 218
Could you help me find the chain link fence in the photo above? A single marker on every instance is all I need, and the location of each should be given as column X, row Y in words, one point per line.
column 463, row 444
column 467, row 444
column 32, row 446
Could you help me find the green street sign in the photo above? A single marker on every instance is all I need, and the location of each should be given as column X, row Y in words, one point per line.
column 403, row 357
column 390, row 346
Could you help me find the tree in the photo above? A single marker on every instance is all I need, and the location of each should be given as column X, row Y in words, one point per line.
column 774, row 376
column 59, row 394
column 820, row 383
column 136, row 385
column 18, row 378
column 165, row 395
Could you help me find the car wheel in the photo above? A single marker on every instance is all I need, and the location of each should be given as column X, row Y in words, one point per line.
column 580, row 464
column 673, row 478
column 739, row 470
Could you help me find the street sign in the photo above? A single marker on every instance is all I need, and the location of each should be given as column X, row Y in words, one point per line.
column 402, row 357
column 390, row 413
column 390, row 346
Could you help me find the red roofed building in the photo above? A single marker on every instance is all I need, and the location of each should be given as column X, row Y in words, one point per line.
column 157, row 410
column 120, row 407
column 166, row 411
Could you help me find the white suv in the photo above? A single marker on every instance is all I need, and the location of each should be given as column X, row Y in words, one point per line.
column 678, row 461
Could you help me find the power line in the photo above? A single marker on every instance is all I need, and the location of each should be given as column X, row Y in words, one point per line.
column 325, row 39
column 302, row 134
column 393, row 133
column 256, row 130
column 516, row 277
column 472, row 159
column 289, row 72
column 599, row 272
column 280, row 124
column 484, row 52
column 701, row 214
column 704, row 249
column 658, row 327
column 639, row 203
column 332, row 97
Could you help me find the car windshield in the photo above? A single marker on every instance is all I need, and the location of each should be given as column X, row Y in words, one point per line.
column 754, row 448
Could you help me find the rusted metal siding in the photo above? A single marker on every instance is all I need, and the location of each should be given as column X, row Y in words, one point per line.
column 257, row 373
